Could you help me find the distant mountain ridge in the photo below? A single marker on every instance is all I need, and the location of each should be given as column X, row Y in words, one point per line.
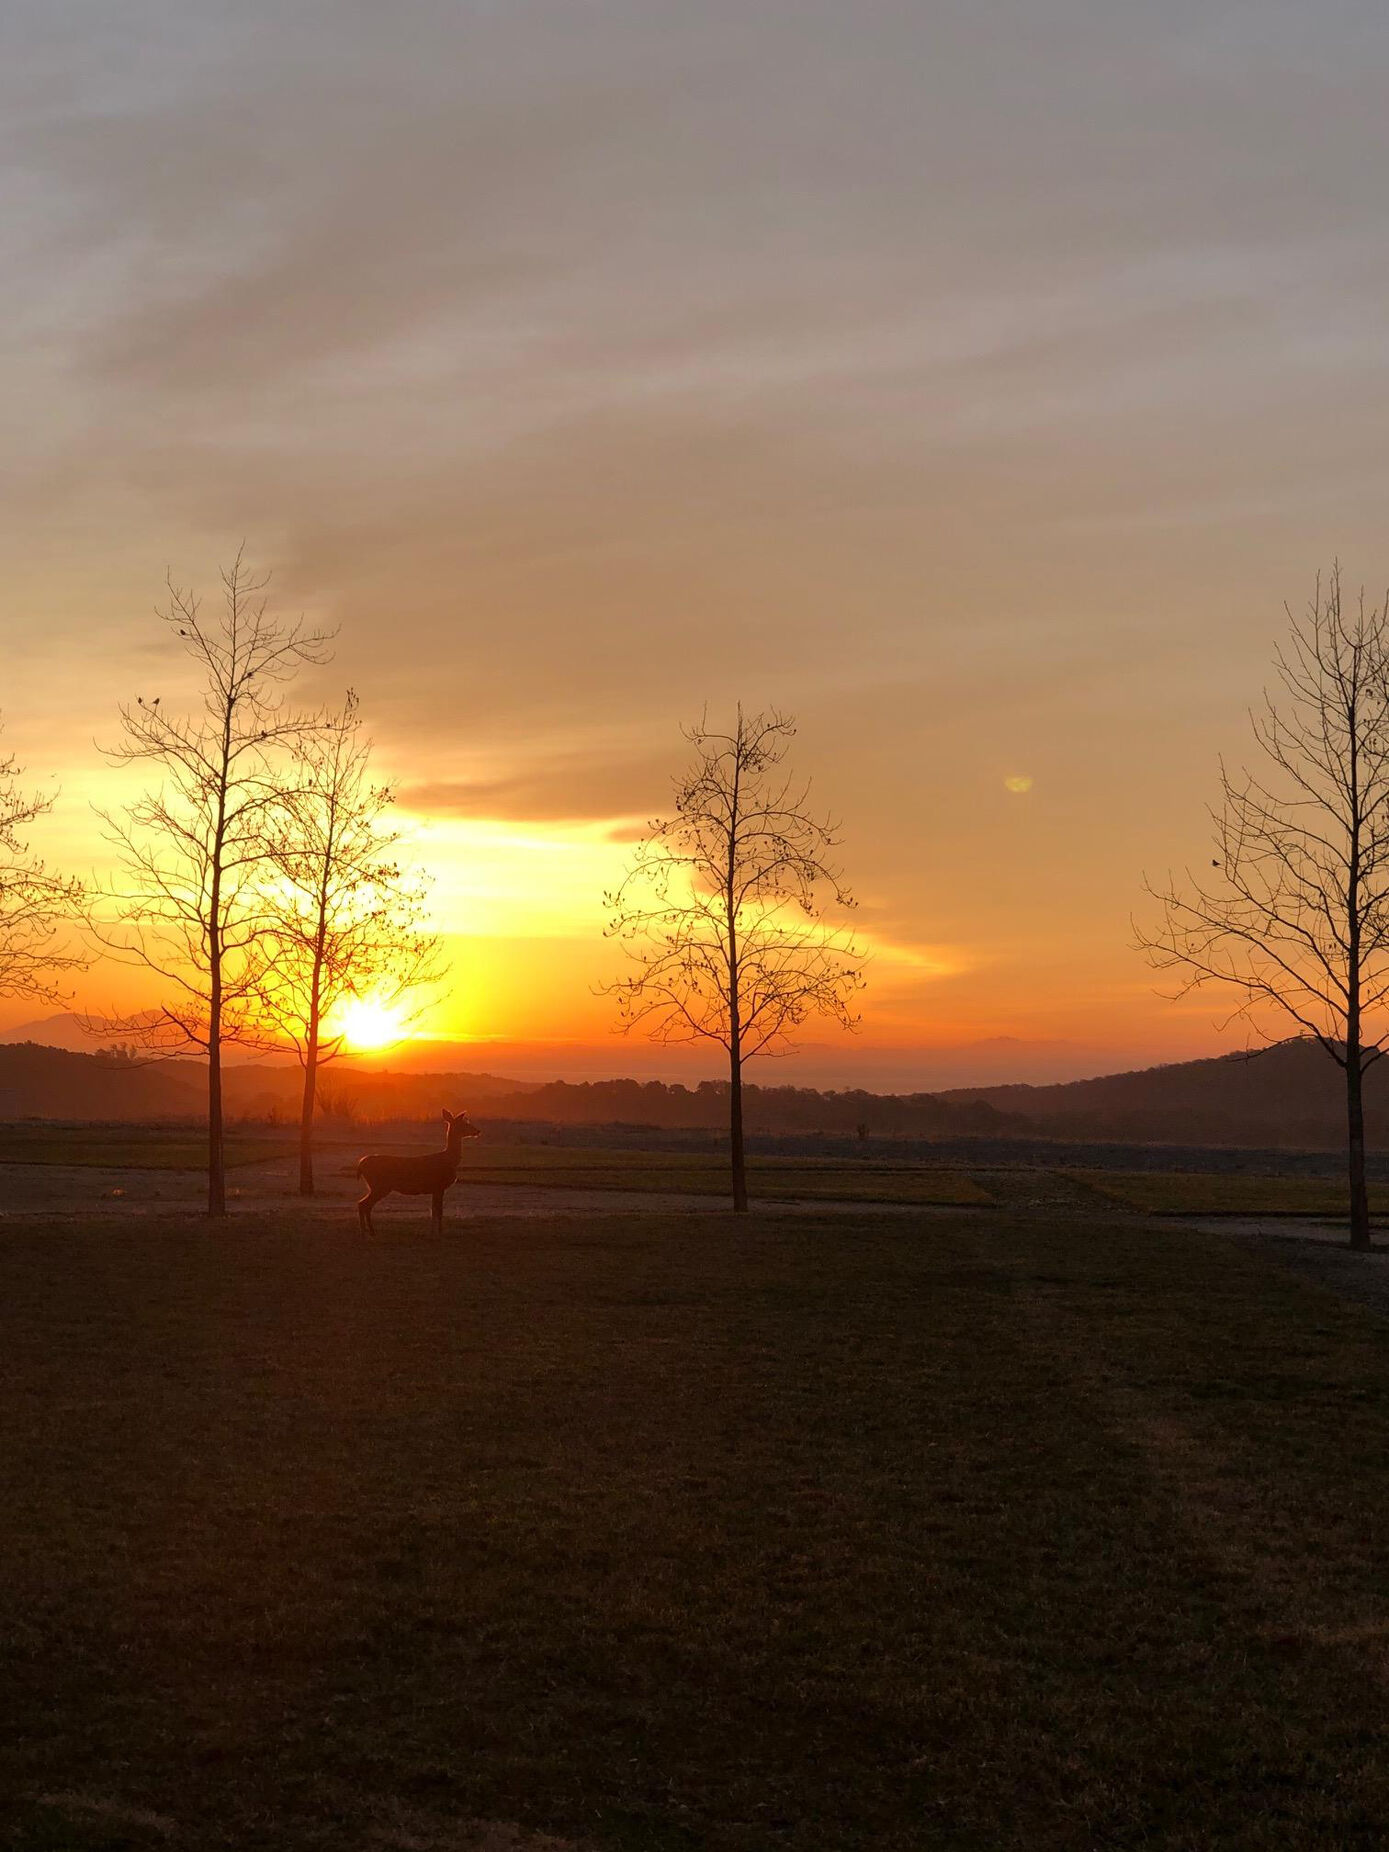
column 38, row 1082
column 52, row 1083
column 1289, row 1096
column 66, row 1031
column 63, row 1030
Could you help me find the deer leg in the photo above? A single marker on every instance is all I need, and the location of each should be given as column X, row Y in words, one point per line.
column 438, row 1212
column 365, row 1205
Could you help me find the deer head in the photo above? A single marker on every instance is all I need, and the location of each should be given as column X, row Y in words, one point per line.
column 459, row 1126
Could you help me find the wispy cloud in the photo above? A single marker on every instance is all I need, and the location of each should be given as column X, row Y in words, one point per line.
column 960, row 378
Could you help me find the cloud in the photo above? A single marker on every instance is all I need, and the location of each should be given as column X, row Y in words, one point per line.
column 601, row 780
column 959, row 378
column 519, row 800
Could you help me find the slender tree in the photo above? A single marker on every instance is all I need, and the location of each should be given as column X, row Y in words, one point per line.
column 723, row 911
column 35, row 903
column 346, row 918
column 1293, row 915
column 190, row 905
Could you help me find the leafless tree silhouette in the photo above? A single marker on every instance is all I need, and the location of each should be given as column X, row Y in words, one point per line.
column 722, row 911
column 190, row 905
column 1294, row 914
column 35, row 903
column 346, row 918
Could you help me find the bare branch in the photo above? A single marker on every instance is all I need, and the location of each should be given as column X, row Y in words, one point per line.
column 191, row 903
column 1294, row 919
column 722, row 910
column 36, row 905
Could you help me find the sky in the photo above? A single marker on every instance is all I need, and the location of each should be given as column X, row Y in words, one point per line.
column 976, row 382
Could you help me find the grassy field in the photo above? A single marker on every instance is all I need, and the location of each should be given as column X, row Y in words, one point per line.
column 1190, row 1193
column 656, row 1533
column 776, row 1179
column 138, row 1147
column 686, row 1173
column 706, row 1174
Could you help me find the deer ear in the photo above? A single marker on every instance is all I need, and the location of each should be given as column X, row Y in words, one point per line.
column 448, row 1116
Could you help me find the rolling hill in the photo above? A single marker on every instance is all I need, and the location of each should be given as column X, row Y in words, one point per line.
column 1291, row 1094
column 37, row 1082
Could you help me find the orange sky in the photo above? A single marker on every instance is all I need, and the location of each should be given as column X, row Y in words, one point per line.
column 975, row 387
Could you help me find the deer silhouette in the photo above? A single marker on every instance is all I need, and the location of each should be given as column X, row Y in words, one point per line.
column 427, row 1175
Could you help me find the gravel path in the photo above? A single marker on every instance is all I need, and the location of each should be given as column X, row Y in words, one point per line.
column 1316, row 1250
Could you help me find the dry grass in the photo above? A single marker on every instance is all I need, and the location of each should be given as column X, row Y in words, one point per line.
column 131, row 1147
column 1195, row 1193
column 544, row 1166
column 651, row 1533
column 774, row 1179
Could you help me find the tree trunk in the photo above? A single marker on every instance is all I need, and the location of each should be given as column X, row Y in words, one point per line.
column 311, row 1068
column 306, row 1113
column 735, row 1134
column 735, row 998
column 1355, row 1151
column 216, row 1156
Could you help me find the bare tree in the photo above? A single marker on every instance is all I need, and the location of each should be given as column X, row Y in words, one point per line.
column 1293, row 916
column 346, row 918
column 722, row 911
column 34, row 902
column 191, row 904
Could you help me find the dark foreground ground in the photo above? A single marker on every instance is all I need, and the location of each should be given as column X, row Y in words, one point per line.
column 873, row 1530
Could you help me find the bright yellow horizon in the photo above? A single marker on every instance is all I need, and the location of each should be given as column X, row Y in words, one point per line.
column 518, row 903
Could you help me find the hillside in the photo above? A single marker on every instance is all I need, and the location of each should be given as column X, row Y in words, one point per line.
column 1291, row 1095
column 54, row 1083
column 39, row 1080
column 364, row 1094
column 66, row 1030
column 51, row 1083
column 1288, row 1096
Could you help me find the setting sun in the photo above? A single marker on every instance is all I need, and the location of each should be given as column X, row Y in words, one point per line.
column 366, row 1023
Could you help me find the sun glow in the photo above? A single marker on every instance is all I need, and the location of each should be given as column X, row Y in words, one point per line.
column 366, row 1023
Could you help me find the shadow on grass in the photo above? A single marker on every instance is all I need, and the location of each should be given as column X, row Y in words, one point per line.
column 652, row 1533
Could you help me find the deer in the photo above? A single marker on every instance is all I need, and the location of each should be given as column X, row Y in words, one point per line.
column 429, row 1174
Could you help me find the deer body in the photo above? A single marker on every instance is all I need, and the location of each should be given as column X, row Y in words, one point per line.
column 428, row 1174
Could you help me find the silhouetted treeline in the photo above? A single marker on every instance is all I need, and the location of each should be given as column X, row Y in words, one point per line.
column 767, row 1109
column 1283, row 1097
column 50, row 1083
column 672, row 1107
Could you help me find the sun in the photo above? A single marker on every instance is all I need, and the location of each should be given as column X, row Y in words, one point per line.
column 366, row 1023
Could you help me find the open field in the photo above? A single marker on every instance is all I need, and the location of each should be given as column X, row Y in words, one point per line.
column 701, row 1174
column 134, row 1147
column 665, row 1532
column 490, row 1163
column 264, row 1169
column 1184, row 1193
